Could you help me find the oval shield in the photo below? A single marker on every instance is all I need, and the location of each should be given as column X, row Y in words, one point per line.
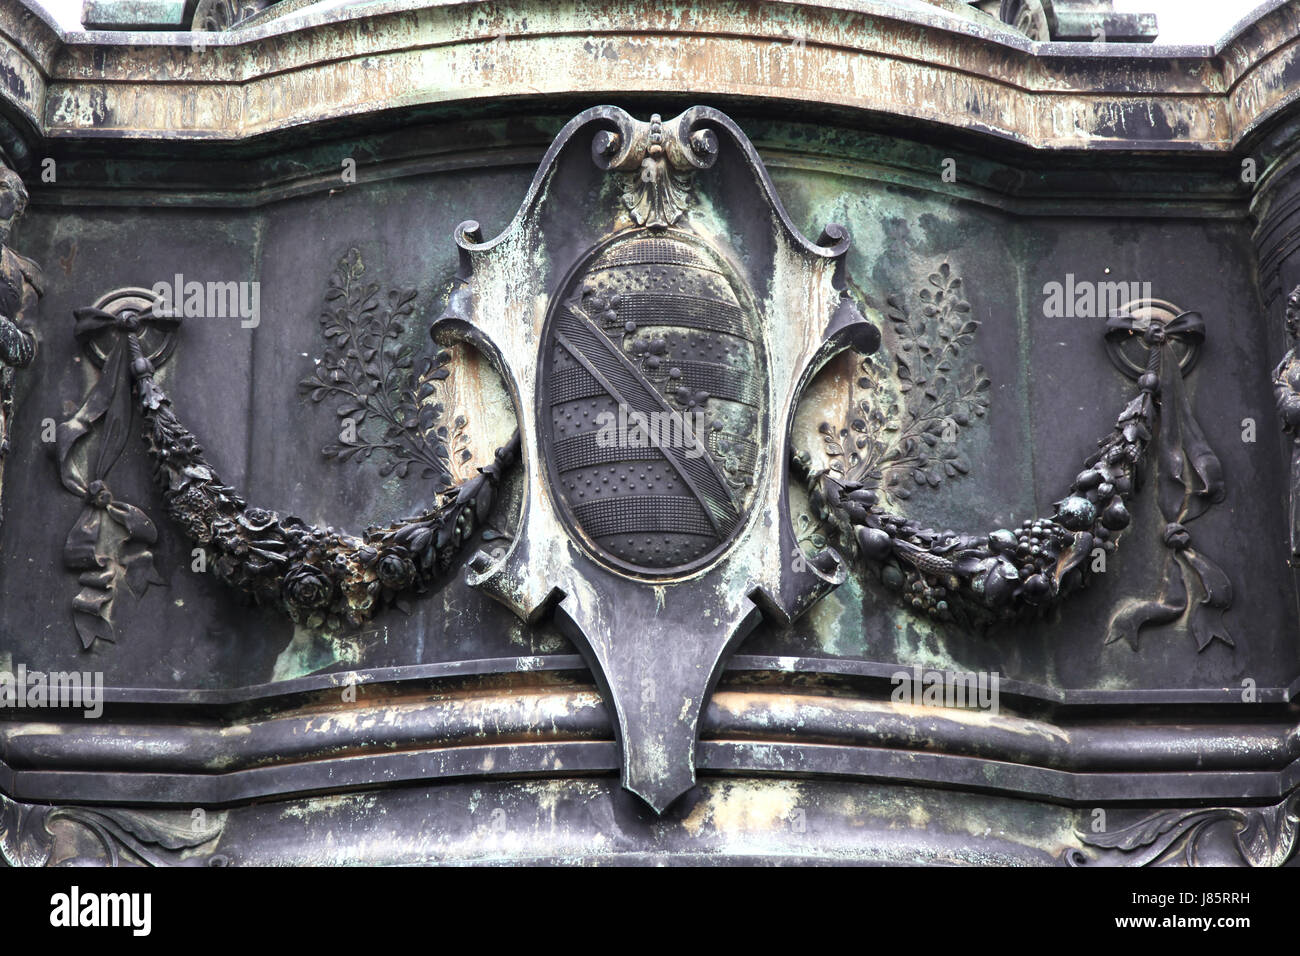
column 652, row 401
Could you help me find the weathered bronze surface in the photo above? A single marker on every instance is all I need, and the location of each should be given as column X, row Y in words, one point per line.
column 20, row 286
column 651, row 331
column 973, row 578
column 861, row 56
column 642, row 290
column 634, row 522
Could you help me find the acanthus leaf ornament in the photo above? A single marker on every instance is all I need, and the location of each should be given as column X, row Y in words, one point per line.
column 1204, row 836
column 661, row 168
column 30, row 836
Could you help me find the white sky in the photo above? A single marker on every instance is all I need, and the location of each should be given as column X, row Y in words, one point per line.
column 1181, row 21
column 1191, row 21
column 66, row 13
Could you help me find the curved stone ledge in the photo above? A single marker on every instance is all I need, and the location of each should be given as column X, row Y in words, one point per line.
column 867, row 57
column 563, row 729
column 235, row 702
column 587, row 821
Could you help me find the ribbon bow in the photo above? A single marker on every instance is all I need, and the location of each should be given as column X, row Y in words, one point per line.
column 124, row 531
column 1185, row 326
column 1190, row 482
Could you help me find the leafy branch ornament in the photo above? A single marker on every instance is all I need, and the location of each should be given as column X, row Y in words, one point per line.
column 911, row 443
column 384, row 400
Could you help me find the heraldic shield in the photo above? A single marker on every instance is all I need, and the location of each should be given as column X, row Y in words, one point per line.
column 652, row 373
column 655, row 346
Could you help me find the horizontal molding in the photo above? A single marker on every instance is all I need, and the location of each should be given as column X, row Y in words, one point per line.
column 1101, row 187
column 320, row 776
column 559, row 730
column 866, row 57
column 1024, row 694
column 979, row 775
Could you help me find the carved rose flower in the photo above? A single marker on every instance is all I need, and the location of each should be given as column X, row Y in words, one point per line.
column 256, row 519
column 307, row 586
column 395, row 571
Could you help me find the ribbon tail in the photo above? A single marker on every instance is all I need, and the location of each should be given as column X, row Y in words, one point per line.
column 1206, row 622
column 117, row 420
column 96, row 405
column 134, row 521
column 1190, row 460
column 137, row 560
column 90, row 627
column 1204, row 462
column 1132, row 616
column 90, row 613
column 80, row 547
column 1171, row 483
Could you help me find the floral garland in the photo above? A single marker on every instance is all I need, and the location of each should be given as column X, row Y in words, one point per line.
column 978, row 579
column 321, row 577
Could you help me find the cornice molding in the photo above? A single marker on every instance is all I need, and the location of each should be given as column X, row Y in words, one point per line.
column 910, row 62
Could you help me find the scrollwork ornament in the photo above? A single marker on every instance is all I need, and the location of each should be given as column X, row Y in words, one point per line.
column 661, row 160
column 603, row 355
column 30, row 837
column 217, row 16
column 1028, row 17
column 1242, row 836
